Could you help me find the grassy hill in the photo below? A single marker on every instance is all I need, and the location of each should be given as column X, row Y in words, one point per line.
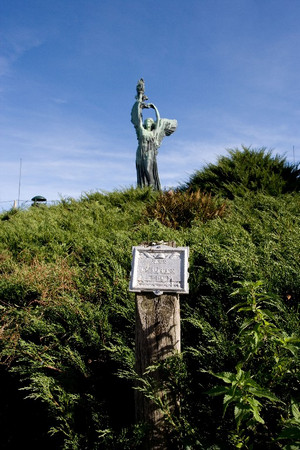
column 67, row 320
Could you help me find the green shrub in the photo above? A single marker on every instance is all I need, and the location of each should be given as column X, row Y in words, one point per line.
column 67, row 318
column 247, row 170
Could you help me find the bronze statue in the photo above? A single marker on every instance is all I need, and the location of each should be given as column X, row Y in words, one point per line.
column 150, row 134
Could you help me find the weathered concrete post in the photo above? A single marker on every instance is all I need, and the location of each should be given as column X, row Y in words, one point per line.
column 159, row 274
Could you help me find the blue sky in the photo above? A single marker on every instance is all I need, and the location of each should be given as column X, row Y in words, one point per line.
column 227, row 70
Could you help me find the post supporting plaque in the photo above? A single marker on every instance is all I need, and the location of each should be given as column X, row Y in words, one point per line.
column 159, row 274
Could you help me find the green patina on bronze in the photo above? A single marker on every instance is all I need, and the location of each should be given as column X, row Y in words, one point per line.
column 150, row 134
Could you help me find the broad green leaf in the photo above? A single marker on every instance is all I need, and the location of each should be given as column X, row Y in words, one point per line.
column 226, row 401
column 241, row 412
column 255, row 409
column 217, row 390
column 263, row 393
column 295, row 411
column 227, row 377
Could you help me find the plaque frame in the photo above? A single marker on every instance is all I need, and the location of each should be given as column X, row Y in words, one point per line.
column 159, row 269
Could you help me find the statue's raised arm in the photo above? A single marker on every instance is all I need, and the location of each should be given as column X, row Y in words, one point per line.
column 150, row 134
column 136, row 112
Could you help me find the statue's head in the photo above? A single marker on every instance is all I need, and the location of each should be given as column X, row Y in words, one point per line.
column 149, row 124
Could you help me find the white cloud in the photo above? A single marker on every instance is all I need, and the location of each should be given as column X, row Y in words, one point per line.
column 66, row 160
column 59, row 101
column 15, row 43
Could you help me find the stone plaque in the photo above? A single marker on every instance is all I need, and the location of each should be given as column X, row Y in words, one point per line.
column 159, row 268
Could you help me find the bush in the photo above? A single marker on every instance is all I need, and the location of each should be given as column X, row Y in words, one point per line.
column 247, row 170
column 67, row 318
column 177, row 209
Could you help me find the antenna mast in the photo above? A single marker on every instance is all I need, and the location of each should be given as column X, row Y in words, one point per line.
column 294, row 153
column 20, row 172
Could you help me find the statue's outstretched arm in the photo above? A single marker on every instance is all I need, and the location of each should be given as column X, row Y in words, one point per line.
column 151, row 105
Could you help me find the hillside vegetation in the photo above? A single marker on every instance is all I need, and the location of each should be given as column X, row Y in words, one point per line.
column 68, row 319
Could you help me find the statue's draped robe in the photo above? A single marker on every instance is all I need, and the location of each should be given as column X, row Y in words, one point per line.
column 149, row 142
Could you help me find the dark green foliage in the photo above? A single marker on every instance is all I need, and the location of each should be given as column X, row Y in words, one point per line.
column 67, row 320
column 247, row 170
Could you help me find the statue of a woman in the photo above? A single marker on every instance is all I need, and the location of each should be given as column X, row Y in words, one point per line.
column 150, row 134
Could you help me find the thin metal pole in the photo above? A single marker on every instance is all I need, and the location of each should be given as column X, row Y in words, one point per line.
column 294, row 153
column 20, row 173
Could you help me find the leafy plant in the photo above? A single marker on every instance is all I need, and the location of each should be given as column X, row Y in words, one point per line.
column 258, row 334
column 291, row 427
column 244, row 393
